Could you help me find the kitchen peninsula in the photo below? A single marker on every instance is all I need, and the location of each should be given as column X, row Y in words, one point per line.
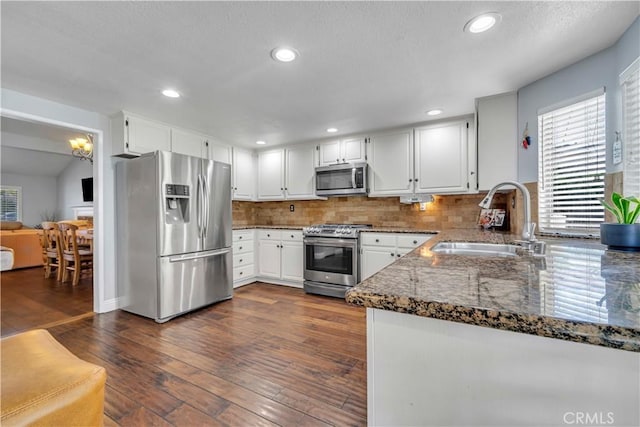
column 476, row 340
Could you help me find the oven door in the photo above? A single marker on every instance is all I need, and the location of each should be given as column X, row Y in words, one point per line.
column 331, row 260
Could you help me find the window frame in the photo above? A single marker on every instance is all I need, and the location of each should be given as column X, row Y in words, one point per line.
column 18, row 189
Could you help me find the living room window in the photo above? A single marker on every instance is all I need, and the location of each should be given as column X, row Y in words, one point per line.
column 630, row 86
column 10, row 203
column 572, row 165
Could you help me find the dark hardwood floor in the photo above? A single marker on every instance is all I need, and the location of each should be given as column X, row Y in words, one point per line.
column 272, row 355
column 28, row 300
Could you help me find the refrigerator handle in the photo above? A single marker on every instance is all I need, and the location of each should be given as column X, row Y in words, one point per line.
column 200, row 256
column 199, row 206
column 207, row 208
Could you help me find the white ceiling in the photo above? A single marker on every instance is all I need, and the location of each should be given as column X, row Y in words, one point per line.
column 33, row 162
column 362, row 65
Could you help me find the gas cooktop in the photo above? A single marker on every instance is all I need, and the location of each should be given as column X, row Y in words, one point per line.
column 335, row 230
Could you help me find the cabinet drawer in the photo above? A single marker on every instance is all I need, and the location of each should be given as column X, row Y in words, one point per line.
column 242, row 235
column 378, row 239
column 412, row 240
column 291, row 236
column 244, row 272
column 242, row 247
column 240, row 260
column 269, row 234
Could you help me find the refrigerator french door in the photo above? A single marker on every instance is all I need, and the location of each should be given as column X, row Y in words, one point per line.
column 174, row 234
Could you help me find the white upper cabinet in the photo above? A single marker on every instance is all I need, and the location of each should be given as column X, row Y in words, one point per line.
column 243, row 174
column 391, row 163
column 219, row 152
column 133, row 135
column 271, row 175
column 351, row 150
column 188, row 143
column 497, row 139
column 300, row 172
column 441, row 158
column 287, row 174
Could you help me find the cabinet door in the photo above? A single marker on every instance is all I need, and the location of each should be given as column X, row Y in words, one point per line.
column 300, row 172
column 497, row 140
column 188, row 143
column 144, row 136
column 375, row 259
column 243, row 175
column 269, row 256
column 441, row 158
column 218, row 152
column 330, row 153
column 391, row 163
column 271, row 175
column 292, row 261
column 353, row 150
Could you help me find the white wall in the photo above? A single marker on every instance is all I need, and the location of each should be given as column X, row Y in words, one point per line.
column 69, row 184
column 596, row 71
column 39, row 195
column 23, row 106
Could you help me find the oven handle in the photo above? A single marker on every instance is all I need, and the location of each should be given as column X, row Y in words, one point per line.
column 342, row 243
column 353, row 177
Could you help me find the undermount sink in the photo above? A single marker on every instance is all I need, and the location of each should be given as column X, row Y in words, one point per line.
column 475, row 249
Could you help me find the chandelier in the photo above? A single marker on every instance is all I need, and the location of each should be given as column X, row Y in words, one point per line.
column 82, row 148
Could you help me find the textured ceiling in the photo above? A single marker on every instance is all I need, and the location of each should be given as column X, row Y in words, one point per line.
column 362, row 65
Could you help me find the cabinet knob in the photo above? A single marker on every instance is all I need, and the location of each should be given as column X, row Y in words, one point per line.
column 286, row 189
column 377, row 240
column 344, row 161
column 236, row 188
column 241, row 273
column 240, row 247
column 415, row 242
column 292, row 236
column 239, row 237
column 240, row 260
column 415, row 179
column 398, row 255
column 410, row 180
column 392, row 254
column 268, row 235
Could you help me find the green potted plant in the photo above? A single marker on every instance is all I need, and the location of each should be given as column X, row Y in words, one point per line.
column 624, row 235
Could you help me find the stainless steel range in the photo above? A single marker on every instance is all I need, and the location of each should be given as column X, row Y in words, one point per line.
column 331, row 258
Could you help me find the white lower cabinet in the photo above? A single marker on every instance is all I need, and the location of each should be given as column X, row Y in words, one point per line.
column 280, row 256
column 244, row 270
column 381, row 249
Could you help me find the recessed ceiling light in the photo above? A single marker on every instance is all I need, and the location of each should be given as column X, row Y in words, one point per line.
column 434, row 112
column 482, row 23
column 260, row 142
column 171, row 93
column 284, row 54
column 332, row 130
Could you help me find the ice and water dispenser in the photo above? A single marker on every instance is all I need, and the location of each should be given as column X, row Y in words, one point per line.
column 177, row 201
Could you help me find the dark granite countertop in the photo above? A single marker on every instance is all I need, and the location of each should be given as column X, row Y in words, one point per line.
column 579, row 291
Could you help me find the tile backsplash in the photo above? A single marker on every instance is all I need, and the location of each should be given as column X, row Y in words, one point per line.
column 446, row 212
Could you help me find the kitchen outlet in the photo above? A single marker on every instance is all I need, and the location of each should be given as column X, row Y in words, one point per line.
column 423, row 206
column 291, row 208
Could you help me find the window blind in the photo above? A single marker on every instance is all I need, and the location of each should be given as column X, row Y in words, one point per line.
column 10, row 203
column 571, row 167
column 630, row 82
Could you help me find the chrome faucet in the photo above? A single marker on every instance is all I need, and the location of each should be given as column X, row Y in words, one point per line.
column 528, row 228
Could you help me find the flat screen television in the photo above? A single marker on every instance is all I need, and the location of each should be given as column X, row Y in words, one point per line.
column 87, row 189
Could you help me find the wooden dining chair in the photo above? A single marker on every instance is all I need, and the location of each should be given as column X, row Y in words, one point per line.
column 75, row 259
column 51, row 250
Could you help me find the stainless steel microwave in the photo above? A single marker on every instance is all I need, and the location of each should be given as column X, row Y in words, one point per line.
column 341, row 180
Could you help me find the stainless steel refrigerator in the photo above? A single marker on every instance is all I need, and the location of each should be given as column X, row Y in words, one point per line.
column 173, row 244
